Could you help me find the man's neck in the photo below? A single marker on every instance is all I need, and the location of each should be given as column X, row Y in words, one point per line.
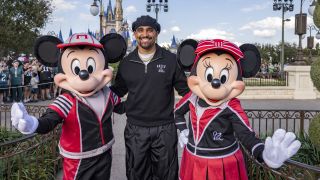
column 147, row 51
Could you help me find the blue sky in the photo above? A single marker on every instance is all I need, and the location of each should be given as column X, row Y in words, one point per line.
column 239, row 21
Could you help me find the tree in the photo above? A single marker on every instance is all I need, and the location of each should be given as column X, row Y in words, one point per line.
column 20, row 24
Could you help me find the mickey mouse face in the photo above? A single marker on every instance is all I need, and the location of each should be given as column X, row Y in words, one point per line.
column 84, row 71
column 216, row 79
column 83, row 61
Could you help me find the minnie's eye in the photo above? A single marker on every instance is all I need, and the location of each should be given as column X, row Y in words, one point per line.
column 75, row 66
column 224, row 75
column 209, row 74
column 91, row 65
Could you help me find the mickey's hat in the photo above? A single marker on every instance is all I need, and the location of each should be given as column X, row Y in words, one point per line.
column 80, row 39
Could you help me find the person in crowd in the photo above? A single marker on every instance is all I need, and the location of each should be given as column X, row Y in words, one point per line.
column 34, row 87
column 27, row 77
column 16, row 81
column 149, row 75
column 4, row 81
column 45, row 82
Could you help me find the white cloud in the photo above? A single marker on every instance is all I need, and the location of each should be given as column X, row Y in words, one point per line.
column 256, row 7
column 175, row 29
column 58, row 19
column 164, row 31
column 212, row 34
column 165, row 44
column 87, row 17
column 130, row 9
column 266, row 33
column 268, row 22
column 62, row 5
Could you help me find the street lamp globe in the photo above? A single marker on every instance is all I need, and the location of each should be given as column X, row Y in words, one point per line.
column 312, row 7
column 94, row 9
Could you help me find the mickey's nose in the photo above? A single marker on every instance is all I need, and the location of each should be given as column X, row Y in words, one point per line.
column 215, row 83
column 84, row 75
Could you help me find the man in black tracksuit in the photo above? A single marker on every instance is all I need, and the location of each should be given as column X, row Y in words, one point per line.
column 148, row 75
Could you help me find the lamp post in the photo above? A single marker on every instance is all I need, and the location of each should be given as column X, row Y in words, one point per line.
column 310, row 39
column 285, row 5
column 157, row 6
column 94, row 10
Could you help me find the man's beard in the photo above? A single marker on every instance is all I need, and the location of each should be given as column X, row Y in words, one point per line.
column 147, row 45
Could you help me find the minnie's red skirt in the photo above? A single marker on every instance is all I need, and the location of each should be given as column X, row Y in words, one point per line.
column 198, row 168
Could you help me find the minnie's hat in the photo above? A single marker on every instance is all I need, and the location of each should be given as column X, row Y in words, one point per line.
column 218, row 44
column 80, row 39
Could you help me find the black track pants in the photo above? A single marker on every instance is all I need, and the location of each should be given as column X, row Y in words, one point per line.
column 151, row 152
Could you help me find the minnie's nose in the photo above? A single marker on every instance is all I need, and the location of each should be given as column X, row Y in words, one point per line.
column 215, row 83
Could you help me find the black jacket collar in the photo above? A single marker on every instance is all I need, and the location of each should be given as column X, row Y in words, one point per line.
column 158, row 54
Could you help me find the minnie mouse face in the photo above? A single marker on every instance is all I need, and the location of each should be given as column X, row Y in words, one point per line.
column 83, row 60
column 217, row 68
column 84, row 72
column 216, row 78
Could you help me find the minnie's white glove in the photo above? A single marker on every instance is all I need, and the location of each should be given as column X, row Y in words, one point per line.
column 21, row 120
column 279, row 148
column 183, row 137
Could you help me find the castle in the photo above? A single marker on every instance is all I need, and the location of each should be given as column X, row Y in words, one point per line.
column 113, row 22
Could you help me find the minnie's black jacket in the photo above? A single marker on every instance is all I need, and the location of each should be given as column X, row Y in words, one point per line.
column 150, row 87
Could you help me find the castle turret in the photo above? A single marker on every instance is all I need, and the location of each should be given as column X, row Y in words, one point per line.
column 118, row 15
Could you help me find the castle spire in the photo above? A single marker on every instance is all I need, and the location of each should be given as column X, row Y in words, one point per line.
column 118, row 14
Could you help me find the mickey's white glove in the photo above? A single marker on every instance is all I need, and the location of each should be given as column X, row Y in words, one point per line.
column 21, row 120
column 183, row 137
column 279, row 148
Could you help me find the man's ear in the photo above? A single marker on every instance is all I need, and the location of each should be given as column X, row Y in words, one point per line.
column 46, row 51
column 115, row 47
column 185, row 53
column 250, row 63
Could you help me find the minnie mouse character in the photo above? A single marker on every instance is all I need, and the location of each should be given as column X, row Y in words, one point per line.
column 217, row 121
column 85, row 109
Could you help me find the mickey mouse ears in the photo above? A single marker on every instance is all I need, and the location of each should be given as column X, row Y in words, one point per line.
column 47, row 52
column 185, row 53
column 251, row 61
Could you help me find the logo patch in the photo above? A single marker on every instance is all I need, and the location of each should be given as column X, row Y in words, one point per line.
column 217, row 136
column 161, row 68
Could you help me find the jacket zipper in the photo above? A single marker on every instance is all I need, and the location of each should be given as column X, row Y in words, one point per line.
column 99, row 120
column 145, row 65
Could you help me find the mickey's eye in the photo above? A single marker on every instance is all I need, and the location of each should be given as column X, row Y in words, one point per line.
column 209, row 74
column 224, row 75
column 91, row 65
column 75, row 66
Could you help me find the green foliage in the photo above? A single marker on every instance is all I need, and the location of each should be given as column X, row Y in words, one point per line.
column 316, row 15
column 8, row 135
column 314, row 132
column 315, row 73
column 308, row 153
column 20, row 24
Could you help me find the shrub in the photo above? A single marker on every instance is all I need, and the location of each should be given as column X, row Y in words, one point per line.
column 316, row 15
column 314, row 131
column 315, row 73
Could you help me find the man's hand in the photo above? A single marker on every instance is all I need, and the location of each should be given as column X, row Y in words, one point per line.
column 21, row 120
column 279, row 148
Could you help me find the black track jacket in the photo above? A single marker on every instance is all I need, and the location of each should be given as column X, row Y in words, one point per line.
column 150, row 87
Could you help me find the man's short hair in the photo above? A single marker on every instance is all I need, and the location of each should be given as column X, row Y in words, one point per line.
column 146, row 21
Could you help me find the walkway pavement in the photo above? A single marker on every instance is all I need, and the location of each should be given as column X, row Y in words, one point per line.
column 118, row 163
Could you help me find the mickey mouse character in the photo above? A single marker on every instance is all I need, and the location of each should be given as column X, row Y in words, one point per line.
column 217, row 121
column 85, row 109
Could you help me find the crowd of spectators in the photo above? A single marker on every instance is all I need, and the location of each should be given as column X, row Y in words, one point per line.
column 269, row 71
column 26, row 81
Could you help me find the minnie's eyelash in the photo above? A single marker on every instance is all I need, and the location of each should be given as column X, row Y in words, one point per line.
column 228, row 66
column 207, row 64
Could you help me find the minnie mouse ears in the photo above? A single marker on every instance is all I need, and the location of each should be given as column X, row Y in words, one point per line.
column 185, row 53
column 251, row 62
column 47, row 48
